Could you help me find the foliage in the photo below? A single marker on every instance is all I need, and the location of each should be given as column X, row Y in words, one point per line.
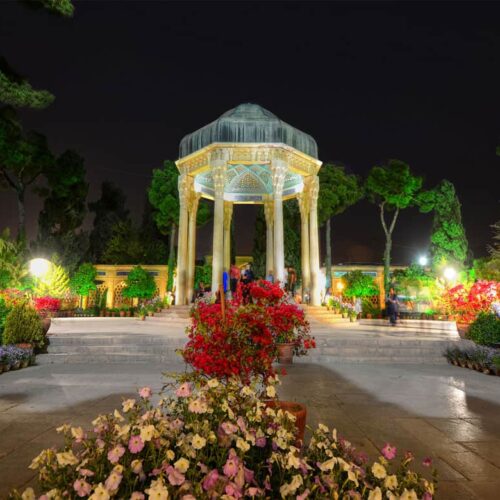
column 23, row 158
column 13, row 269
column 4, row 311
column 485, row 329
column 358, row 284
column 244, row 342
column 393, row 188
column 109, row 209
column 259, row 244
column 489, row 268
column 140, row 284
column 11, row 354
column 47, row 304
column 448, row 241
column 480, row 357
column 291, row 233
column 467, row 301
column 368, row 307
column 202, row 274
column 23, row 325
column 415, row 281
column 218, row 440
column 16, row 90
column 64, row 211
column 83, row 281
column 54, row 283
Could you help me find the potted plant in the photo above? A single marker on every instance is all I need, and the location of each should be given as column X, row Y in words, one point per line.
column 123, row 311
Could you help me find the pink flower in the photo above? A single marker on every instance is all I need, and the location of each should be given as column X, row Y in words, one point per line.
column 176, row 424
column 145, row 392
column 86, row 472
column 427, row 462
column 231, row 466
column 137, row 495
column 389, row 451
column 210, row 480
column 116, row 453
column 184, row 390
column 113, row 481
column 304, row 495
column 254, row 492
column 175, row 478
column 188, row 497
column 82, row 488
column 232, row 490
column 229, row 428
column 241, row 424
column 260, row 442
column 135, row 444
column 427, row 496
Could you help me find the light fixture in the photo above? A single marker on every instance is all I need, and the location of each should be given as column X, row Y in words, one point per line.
column 39, row 267
column 422, row 260
column 340, row 286
column 449, row 273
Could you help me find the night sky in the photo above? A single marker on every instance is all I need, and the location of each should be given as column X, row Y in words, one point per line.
column 369, row 81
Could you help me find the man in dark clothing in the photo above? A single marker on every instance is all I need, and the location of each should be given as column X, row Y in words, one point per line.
column 392, row 306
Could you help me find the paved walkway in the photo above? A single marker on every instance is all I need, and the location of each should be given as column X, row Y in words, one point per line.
column 449, row 413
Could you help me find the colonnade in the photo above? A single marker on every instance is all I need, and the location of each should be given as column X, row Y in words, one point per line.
column 223, row 210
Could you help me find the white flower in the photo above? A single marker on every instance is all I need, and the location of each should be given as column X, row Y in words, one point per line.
column 242, row 444
column 182, row 465
column 157, row 490
column 118, row 416
column 291, row 487
column 378, row 470
column 270, row 391
column 77, row 433
column 293, row 461
column 328, row 465
column 28, row 494
column 100, row 493
column 147, row 432
column 323, row 428
column 66, row 458
column 408, row 495
column 391, row 482
column 212, row 383
column 198, row 442
column 375, row 494
column 128, row 404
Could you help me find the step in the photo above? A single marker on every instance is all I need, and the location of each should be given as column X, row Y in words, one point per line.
column 117, row 357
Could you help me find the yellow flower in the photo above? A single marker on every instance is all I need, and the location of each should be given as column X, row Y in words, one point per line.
column 213, row 383
column 128, row 404
column 198, row 406
column 391, row 482
column 28, row 494
column 53, row 494
column 242, row 444
column 147, row 432
column 323, row 428
column 157, row 491
column 118, row 416
column 375, row 494
column 429, row 486
column 408, row 495
column 100, row 493
column 77, row 433
column 270, row 391
column 293, row 461
column 378, row 470
column 198, row 442
column 170, row 455
column 328, row 465
column 182, row 465
column 122, row 430
column 352, row 477
column 63, row 428
column 291, row 487
column 66, row 458
column 247, row 391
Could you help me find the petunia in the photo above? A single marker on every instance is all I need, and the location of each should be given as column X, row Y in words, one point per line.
column 184, row 390
column 128, row 404
column 375, row 494
column 145, row 392
column 175, row 478
column 210, row 480
column 100, row 493
column 113, row 481
column 116, row 453
column 82, row 488
column 378, row 470
column 198, row 442
column 28, row 494
column 388, row 451
column 135, row 444
column 66, row 458
column 137, row 495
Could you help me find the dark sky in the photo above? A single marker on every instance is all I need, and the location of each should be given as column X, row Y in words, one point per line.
column 369, row 81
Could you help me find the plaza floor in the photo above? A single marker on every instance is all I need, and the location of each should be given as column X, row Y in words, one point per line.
column 445, row 412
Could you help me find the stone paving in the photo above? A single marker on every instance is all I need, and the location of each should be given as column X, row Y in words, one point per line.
column 448, row 413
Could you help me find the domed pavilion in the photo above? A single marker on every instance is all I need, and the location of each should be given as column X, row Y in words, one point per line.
column 248, row 155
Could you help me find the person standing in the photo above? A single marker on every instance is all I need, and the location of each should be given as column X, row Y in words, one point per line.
column 291, row 280
column 234, row 274
column 392, row 306
column 270, row 276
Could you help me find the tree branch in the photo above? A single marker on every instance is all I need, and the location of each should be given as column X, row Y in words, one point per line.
column 382, row 218
column 393, row 223
column 12, row 184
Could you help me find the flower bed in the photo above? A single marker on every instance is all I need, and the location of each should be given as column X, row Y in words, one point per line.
column 14, row 357
column 480, row 358
column 215, row 440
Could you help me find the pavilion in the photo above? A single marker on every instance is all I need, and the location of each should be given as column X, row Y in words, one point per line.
column 248, row 156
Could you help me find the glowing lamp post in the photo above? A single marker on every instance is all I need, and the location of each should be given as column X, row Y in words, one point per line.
column 39, row 267
column 422, row 260
column 450, row 274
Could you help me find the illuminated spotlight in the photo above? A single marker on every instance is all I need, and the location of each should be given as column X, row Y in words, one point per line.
column 422, row 260
column 39, row 267
column 450, row 274
column 340, row 286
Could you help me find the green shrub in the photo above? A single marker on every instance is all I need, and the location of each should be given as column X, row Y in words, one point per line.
column 23, row 325
column 140, row 284
column 485, row 329
column 4, row 311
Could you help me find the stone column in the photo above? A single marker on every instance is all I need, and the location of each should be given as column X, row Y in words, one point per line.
column 269, row 213
column 194, row 199
column 180, row 291
column 279, row 169
column 314, row 241
column 228, row 215
column 218, row 161
column 303, row 200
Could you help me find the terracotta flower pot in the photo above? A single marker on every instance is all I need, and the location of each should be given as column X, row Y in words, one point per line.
column 285, row 353
column 299, row 411
column 122, row 314
column 368, row 316
column 46, row 325
column 463, row 328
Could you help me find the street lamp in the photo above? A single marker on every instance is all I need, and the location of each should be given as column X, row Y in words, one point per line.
column 449, row 273
column 39, row 267
column 422, row 260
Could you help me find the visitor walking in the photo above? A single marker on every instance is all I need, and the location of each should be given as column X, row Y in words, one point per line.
column 291, row 280
column 234, row 274
column 200, row 291
column 270, row 276
column 392, row 306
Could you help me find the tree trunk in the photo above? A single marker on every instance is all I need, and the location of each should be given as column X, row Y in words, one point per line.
column 328, row 256
column 21, row 230
column 387, row 262
column 171, row 259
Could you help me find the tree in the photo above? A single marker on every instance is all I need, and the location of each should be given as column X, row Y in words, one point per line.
column 164, row 197
column 448, row 240
column 64, row 210
column 488, row 268
column 13, row 269
column 15, row 90
column 55, row 283
column 109, row 209
column 339, row 190
column 83, row 281
column 393, row 188
column 358, row 284
column 140, row 284
column 23, row 158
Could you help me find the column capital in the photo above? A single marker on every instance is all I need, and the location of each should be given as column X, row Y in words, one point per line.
column 228, row 214
column 313, row 189
column 184, row 184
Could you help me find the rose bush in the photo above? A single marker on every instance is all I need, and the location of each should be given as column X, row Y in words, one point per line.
column 214, row 440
